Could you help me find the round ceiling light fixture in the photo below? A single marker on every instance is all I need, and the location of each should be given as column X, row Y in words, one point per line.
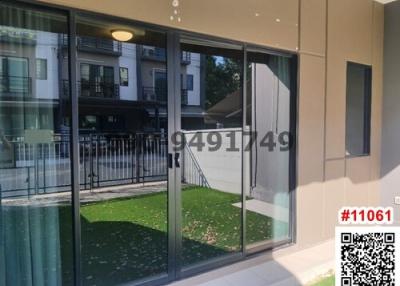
column 122, row 35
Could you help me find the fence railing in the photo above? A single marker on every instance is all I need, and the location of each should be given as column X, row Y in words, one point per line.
column 159, row 95
column 97, row 45
column 93, row 89
column 192, row 173
column 105, row 160
column 159, row 54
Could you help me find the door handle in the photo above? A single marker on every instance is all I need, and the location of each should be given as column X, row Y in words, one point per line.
column 170, row 161
column 177, row 160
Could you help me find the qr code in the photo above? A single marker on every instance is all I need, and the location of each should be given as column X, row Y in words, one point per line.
column 367, row 257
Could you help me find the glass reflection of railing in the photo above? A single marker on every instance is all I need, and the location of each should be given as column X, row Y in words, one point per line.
column 99, row 45
column 15, row 85
column 15, row 35
column 154, row 94
column 159, row 95
column 154, row 54
column 159, row 54
column 105, row 159
column 93, row 89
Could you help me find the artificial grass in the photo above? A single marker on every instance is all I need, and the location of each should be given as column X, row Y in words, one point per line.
column 328, row 281
column 126, row 239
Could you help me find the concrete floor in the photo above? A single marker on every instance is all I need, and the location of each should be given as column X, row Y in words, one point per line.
column 98, row 194
column 285, row 267
column 266, row 209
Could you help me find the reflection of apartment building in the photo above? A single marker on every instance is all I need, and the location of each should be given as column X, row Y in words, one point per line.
column 152, row 82
column 130, row 76
column 26, row 81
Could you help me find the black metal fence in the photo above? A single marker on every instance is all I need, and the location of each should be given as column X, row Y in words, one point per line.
column 105, row 160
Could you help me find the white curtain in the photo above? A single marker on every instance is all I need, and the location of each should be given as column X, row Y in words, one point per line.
column 30, row 250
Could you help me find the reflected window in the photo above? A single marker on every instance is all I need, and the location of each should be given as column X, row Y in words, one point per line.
column 160, row 83
column 14, row 74
column 97, row 81
column 189, row 82
column 41, row 69
column 123, row 77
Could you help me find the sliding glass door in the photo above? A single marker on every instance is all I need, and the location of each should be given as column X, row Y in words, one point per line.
column 35, row 167
column 210, row 138
column 123, row 144
column 271, row 106
column 135, row 154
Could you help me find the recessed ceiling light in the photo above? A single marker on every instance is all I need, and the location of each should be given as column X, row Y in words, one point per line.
column 122, row 35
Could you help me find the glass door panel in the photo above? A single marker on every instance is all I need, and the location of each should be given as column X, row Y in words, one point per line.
column 211, row 169
column 123, row 154
column 35, row 159
column 269, row 90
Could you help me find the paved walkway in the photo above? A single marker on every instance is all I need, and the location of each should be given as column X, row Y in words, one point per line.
column 266, row 209
column 286, row 267
column 87, row 196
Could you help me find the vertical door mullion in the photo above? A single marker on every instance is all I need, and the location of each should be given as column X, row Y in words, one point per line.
column 174, row 226
column 293, row 151
column 244, row 164
column 178, row 170
column 74, row 146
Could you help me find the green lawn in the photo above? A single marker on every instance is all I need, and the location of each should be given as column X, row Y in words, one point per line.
column 126, row 239
column 328, row 281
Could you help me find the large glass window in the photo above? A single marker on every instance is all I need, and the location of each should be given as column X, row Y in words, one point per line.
column 35, row 169
column 212, row 161
column 123, row 153
column 269, row 89
column 126, row 166
column 358, row 109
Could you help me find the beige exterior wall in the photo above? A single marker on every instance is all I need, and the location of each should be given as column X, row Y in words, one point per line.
column 326, row 33
column 353, row 32
column 390, row 162
column 267, row 22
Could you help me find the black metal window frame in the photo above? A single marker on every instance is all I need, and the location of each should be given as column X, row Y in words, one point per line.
column 367, row 107
column 174, row 61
